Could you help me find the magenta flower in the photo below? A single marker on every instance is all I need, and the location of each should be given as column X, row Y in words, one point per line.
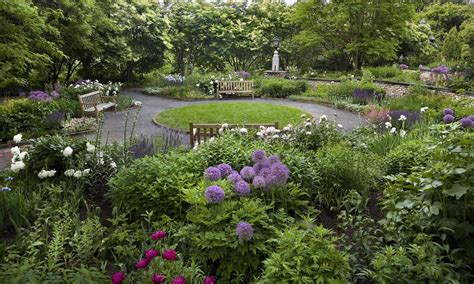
column 212, row 173
column 225, row 169
column 209, row 280
column 214, row 194
column 258, row 156
column 158, row 235
column 448, row 111
column 247, row 173
column 118, row 277
column 179, row 280
column 234, row 177
column 151, row 253
column 169, row 254
column 466, row 122
column 242, row 188
column 244, row 231
column 142, row 263
column 158, row 278
column 448, row 118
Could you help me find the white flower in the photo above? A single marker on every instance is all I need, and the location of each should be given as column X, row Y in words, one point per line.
column 211, row 82
column 221, row 131
column 303, row 115
column 308, row 133
column 260, row 134
column 22, row 155
column 197, row 85
column 86, row 172
column 15, row 151
column 402, row 118
column 17, row 138
column 241, row 79
column 44, row 174
column 69, row 173
column 90, row 147
column 17, row 166
column 423, row 109
column 402, row 133
column 340, row 125
column 286, row 128
column 275, row 136
column 307, row 124
column 67, row 151
column 77, row 174
column 243, row 131
column 137, row 103
column 323, row 117
column 388, row 125
column 393, row 130
column 113, row 165
column 213, row 139
column 225, row 125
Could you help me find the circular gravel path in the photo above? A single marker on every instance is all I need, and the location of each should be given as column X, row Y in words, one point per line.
column 114, row 123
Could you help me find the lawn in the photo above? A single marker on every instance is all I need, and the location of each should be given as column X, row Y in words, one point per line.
column 236, row 113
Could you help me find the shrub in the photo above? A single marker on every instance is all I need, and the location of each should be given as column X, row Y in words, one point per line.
column 305, row 256
column 346, row 89
column 406, row 156
column 281, row 88
column 178, row 92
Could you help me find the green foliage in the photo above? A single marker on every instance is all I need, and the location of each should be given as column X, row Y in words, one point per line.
column 178, row 92
column 280, row 88
column 407, row 156
column 305, row 256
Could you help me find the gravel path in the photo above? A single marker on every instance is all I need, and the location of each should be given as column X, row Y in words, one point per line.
column 114, row 123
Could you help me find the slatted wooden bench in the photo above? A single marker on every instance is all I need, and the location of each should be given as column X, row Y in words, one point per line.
column 199, row 133
column 234, row 87
column 94, row 103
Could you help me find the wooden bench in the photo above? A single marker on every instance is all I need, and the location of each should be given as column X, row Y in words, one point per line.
column 94, row 103
column 199, row 133
column 234, row 87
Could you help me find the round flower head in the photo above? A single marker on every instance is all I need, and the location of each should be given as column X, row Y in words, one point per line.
column 169, row 254
column 279, row 174
column 272, row 160
column 179, row 280
column 212, row 173
column 142, row 263
column 244, row 231
column 448, row 118
column 158, row 278
column 259, row 182
column 247, row 173
column 471, row 117
column 258, row 167
column 225, row 169
column 17, row 138
column 151, row 253
column 209, row 280
column 158, row 235
column 242, row 188
column 118, row 277
column 258, row 156
column 234, row 177
column 214, row 194
column 67, row 151
column 466, row 122
column 448, row 111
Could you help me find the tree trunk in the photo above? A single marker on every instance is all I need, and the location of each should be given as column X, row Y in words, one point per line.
column 71, row 67
column 129, row 72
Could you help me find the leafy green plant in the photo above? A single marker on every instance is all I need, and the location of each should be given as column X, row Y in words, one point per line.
column 280, row 88
column 408, row 155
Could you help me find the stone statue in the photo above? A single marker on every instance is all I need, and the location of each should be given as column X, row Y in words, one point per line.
column 276, row 61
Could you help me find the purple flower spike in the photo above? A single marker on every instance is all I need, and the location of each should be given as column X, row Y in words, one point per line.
column 244, row 231
column 214, row 194
column 466, row 122
column 212, row 173
column 242, row 188
column 225, row 169
column 258, row 156
column 247, row 173
column 448, row 111
column 448, row 118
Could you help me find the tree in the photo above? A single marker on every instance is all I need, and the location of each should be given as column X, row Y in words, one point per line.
column 443, row 17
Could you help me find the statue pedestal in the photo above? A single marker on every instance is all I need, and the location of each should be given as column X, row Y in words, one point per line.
column 269, row 73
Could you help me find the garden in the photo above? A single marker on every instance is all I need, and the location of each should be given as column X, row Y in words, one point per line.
column 365, row 177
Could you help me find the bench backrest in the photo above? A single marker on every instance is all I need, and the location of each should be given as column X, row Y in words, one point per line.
column 199, row 133
column 89, row 100
column 238, row 86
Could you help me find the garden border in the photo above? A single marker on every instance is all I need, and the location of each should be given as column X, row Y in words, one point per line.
column 9, row 144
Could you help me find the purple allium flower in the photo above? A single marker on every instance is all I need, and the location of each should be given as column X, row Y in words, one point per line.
column 210, row 280
column 258, row 167
column 54, row 94
column 179, row 280
column 118, row 277
column 6, row 189
column 169, row 254
column 39, row 96
column 158, row 278
column 212, row 173
column 259, row 182
column 242, row 188
column 234, row 177
column 471, row 117
column 448, row 118
column 244, row 231
column 448, row 111
column 142, row 263
column 158, row 235
column 280, row 174
column 247, row 173
column 214, row 194
column 225, row 169
column 258, row 156
column 151, row 253
column 466, row 122
column 403, row 66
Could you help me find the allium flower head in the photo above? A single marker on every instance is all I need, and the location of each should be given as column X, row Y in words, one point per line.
column 212, row 173
column 90, row 148
column 151, row 253
column 448, row 111
column 466, row 122
column 118, row 277
column 142, row 263
column 158, row 235
column 225, row 169
column 259, row 182
column 242, row 188
column 158, row 278
column 179, row 280
column 169, row 254
column 279, row 174
column 209, row 280
column 234, row 177
column 17, row 138
column 258, row 156
column 214, row 194
column 471, row 117
column 244, row 231
column 448, row 118
column 247, row 173
column 67, row 151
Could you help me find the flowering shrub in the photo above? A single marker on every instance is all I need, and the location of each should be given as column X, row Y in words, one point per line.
column 175, row 79
column 78, row 124
column 42, row 96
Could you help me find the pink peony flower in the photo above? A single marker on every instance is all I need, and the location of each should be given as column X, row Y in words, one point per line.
column 169, row 254
column 142, row 263
column 179, row 280
column 118, row 277
column 158, row 235
column 151, row 253
column 209, row 280
column 157, row 278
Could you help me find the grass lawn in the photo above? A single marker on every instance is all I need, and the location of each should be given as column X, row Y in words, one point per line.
column 234, row 113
